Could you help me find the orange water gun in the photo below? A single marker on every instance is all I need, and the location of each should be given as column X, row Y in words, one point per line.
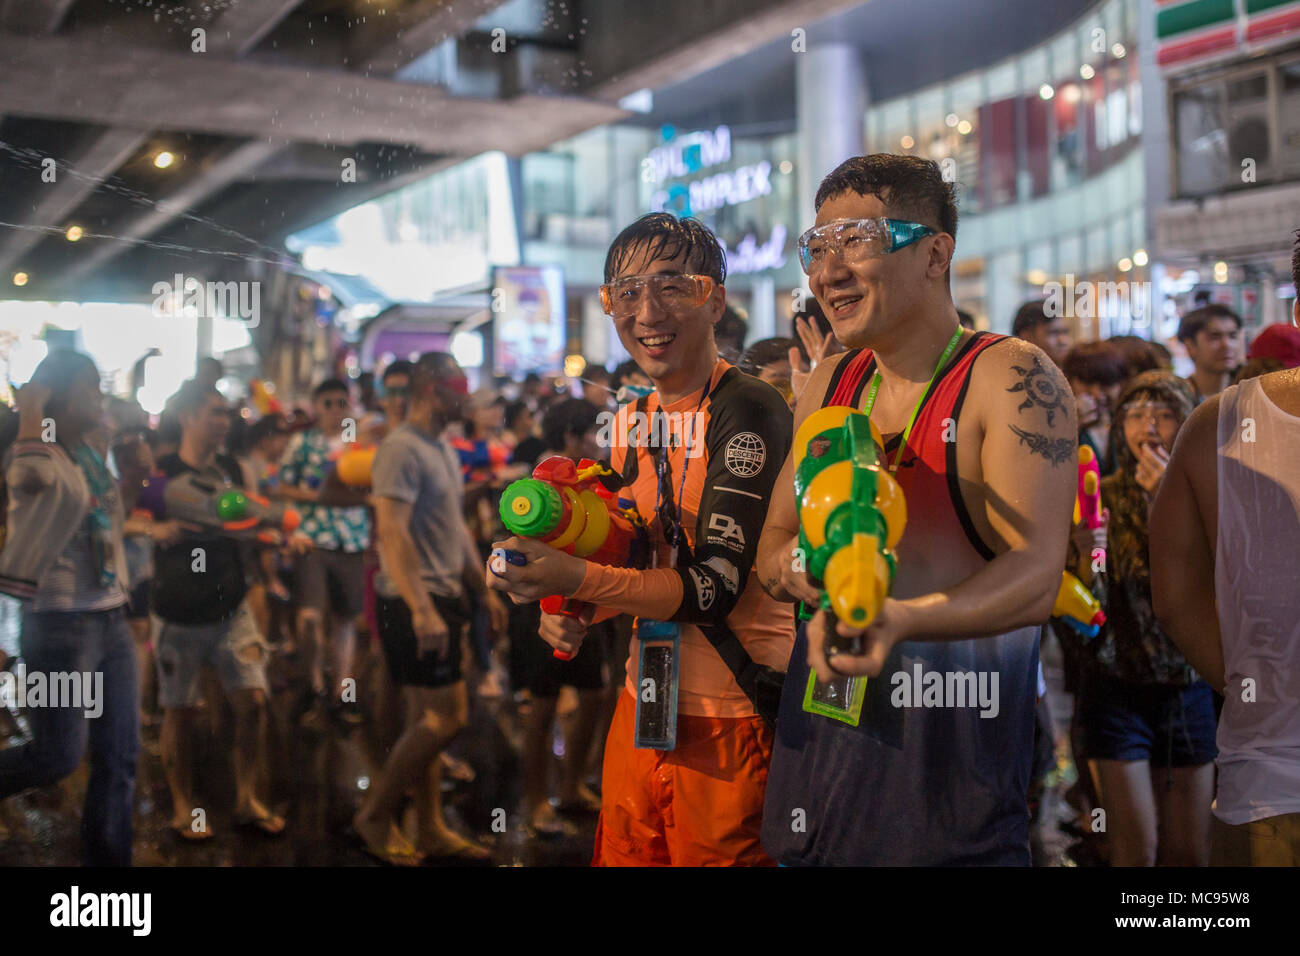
column 575, row 509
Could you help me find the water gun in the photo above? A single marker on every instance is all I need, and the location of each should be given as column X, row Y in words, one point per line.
column 354, row 465
column 1087, row 502
column 851, row 514
column 575, row 509
column 235, row 512
column 1077, row 608
column 630, row 393
column 263, row 397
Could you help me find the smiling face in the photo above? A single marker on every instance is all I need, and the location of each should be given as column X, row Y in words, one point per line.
column 666, row 343
column 870, row 302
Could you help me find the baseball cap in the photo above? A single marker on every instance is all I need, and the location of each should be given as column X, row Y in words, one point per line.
column 1278, row 341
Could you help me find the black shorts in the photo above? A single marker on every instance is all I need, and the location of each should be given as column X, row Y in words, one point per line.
column 332, row 581
column 406, row 666
column 137, row 603
column 534, row 666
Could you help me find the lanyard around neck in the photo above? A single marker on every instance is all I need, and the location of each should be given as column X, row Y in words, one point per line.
column 664, row 470
column 875, row 387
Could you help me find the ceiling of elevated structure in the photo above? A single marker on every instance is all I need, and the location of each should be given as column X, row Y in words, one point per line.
column 261, row 120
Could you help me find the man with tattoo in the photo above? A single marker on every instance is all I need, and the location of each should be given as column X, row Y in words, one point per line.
column 979, row 431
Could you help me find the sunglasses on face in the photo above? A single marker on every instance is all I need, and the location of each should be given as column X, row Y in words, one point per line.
column 856, row 240
column 673, row 293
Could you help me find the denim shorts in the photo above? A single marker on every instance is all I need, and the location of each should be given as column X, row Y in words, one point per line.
column 1168, row 726
column 234, row 648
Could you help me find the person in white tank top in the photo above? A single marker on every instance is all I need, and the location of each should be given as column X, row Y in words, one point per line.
column 1225, row 544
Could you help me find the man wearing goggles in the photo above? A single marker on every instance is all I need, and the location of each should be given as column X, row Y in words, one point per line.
column 701, row 478
column 856, row 240
column 980, row 434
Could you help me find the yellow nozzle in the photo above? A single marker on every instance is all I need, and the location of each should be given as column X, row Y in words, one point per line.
column 1074, row 600
column 521, row 506
column 857, row 580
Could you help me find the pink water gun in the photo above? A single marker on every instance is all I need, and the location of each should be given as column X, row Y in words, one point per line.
column 1087, row 503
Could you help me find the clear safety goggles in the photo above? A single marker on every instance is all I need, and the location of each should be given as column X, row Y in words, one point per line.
column 857, row 240
column 673, row 293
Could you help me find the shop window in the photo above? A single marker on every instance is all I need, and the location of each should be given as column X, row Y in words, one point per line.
column 998, row 153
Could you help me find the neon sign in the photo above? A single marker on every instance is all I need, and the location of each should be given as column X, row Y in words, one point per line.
column 689, row 154
column 752, row 256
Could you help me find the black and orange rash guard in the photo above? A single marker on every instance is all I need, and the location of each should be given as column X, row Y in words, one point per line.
column 731, row 438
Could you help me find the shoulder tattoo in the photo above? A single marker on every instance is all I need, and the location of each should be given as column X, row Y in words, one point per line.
column 1041, row 389
column 1056, row 450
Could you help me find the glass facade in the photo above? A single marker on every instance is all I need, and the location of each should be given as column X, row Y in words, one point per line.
column 1045, row 151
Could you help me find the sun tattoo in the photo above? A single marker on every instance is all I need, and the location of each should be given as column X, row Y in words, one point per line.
column 1056, row 450
column 1040, row 389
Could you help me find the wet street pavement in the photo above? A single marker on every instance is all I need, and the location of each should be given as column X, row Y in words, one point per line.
column 319, row 783
column 318, row 775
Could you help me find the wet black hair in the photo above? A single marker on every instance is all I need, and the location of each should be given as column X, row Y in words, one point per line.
column 661, row 235
column 910, row 187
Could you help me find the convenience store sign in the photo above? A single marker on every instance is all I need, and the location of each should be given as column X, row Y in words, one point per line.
column 1193, row 32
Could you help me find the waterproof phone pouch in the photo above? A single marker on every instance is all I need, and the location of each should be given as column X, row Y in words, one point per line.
column 656, row 684
column 839, row 699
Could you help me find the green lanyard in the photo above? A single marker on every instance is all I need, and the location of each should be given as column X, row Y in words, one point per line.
column 875, row 387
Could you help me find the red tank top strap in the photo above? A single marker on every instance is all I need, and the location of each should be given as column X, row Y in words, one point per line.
column 930, row 459
column 848, row 376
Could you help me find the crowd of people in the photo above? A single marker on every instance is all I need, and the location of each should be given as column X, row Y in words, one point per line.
column 718, row 713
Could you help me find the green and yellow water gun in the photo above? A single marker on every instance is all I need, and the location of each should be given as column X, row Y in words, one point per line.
column 851, row 513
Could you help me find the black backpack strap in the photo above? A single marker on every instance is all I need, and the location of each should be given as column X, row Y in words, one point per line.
column 629, row 459
column 760, row 683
